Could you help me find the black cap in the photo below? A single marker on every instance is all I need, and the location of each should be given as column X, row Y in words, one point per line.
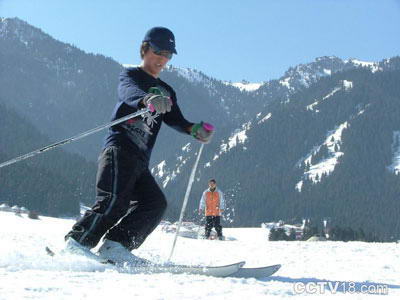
column 161, row 38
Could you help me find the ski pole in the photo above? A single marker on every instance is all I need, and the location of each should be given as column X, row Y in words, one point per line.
column 189, row 187
column 74, row 138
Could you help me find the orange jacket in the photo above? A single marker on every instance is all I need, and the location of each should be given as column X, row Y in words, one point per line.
column 212, row 202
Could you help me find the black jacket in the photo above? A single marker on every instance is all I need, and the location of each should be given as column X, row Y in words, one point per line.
column 139, row 134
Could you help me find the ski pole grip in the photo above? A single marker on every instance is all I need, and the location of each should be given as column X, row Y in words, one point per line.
column 208, row 126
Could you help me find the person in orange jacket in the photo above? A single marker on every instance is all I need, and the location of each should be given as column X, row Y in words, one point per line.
column 213, row 204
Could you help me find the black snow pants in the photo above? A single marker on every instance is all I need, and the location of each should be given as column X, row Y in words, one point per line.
column 213, row 221
column 129, row 203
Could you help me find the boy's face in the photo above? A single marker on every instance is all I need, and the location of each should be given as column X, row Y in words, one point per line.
column 154, row 63
column 212, row 184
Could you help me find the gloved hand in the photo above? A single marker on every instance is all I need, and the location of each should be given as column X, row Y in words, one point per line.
column 202, row 132
column 157, row 103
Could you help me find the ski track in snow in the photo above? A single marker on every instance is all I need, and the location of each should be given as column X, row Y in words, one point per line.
column 26, row 272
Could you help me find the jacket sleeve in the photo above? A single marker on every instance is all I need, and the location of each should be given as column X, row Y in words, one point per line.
column 221, row 200
column 175, row 118
column 129, row 92
column 203, row 201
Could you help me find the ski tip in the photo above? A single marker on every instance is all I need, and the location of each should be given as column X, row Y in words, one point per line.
column 276, row 267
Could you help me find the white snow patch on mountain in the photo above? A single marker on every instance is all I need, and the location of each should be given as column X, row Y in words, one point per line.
column 197, row 78
column 167, row 174
column 334, row 91
column 130, row 66
column 327, row 164
column 313, row 105
column 191, row 75
column 328, row 72
column 159, row 169
column 238, row 137
column 269, row 115
column 187, row 147
column 395, row 166
column 347, row 85
column 285, row 82
column 247, row 86
column 373, row 66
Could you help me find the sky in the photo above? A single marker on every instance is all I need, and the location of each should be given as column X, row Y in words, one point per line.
column 254, row 40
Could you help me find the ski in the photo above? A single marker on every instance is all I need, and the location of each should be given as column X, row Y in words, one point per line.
column 214, row 271
column 260, row 272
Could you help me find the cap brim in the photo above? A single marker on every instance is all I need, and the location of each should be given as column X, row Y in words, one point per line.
column 167, row 48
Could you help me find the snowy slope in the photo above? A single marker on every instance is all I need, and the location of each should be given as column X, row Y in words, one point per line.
column 26, row 272
column 395, row 166
column 246, row 86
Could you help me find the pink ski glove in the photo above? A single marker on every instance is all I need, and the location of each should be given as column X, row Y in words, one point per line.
column 203, row 132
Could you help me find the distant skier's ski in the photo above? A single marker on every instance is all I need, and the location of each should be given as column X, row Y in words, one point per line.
column 260, row 272
column 215, row 271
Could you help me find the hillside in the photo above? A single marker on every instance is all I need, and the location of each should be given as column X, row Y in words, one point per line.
column 320, row 142
column 52, row 183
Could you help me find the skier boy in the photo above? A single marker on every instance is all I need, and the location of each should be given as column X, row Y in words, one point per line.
column 213, row 204
column 129, row 204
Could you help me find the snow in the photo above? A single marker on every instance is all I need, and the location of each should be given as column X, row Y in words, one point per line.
column 238, row 137
column 160, row 169
column 190, row 74
column 186, row 148
column 285, row 82
column 326, row 165
column 269, row 115
column 373, row 66
column 395, row 166
column 130, row 66
column 247, row 86
column 334, row 91
column 345, row 84
column 26, row 272
column 167, row 173
column 313, row 105
column 327, row 72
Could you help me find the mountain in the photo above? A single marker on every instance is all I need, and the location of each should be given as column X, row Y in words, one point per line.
column 319, row 142
column 329, row 151
column 53, row 183
column 59, row 88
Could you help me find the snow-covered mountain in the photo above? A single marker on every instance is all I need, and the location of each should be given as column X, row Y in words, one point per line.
column 325, row 131
column 303, row 75
column 307, row 147
column 27, row 272
column 59, row 88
